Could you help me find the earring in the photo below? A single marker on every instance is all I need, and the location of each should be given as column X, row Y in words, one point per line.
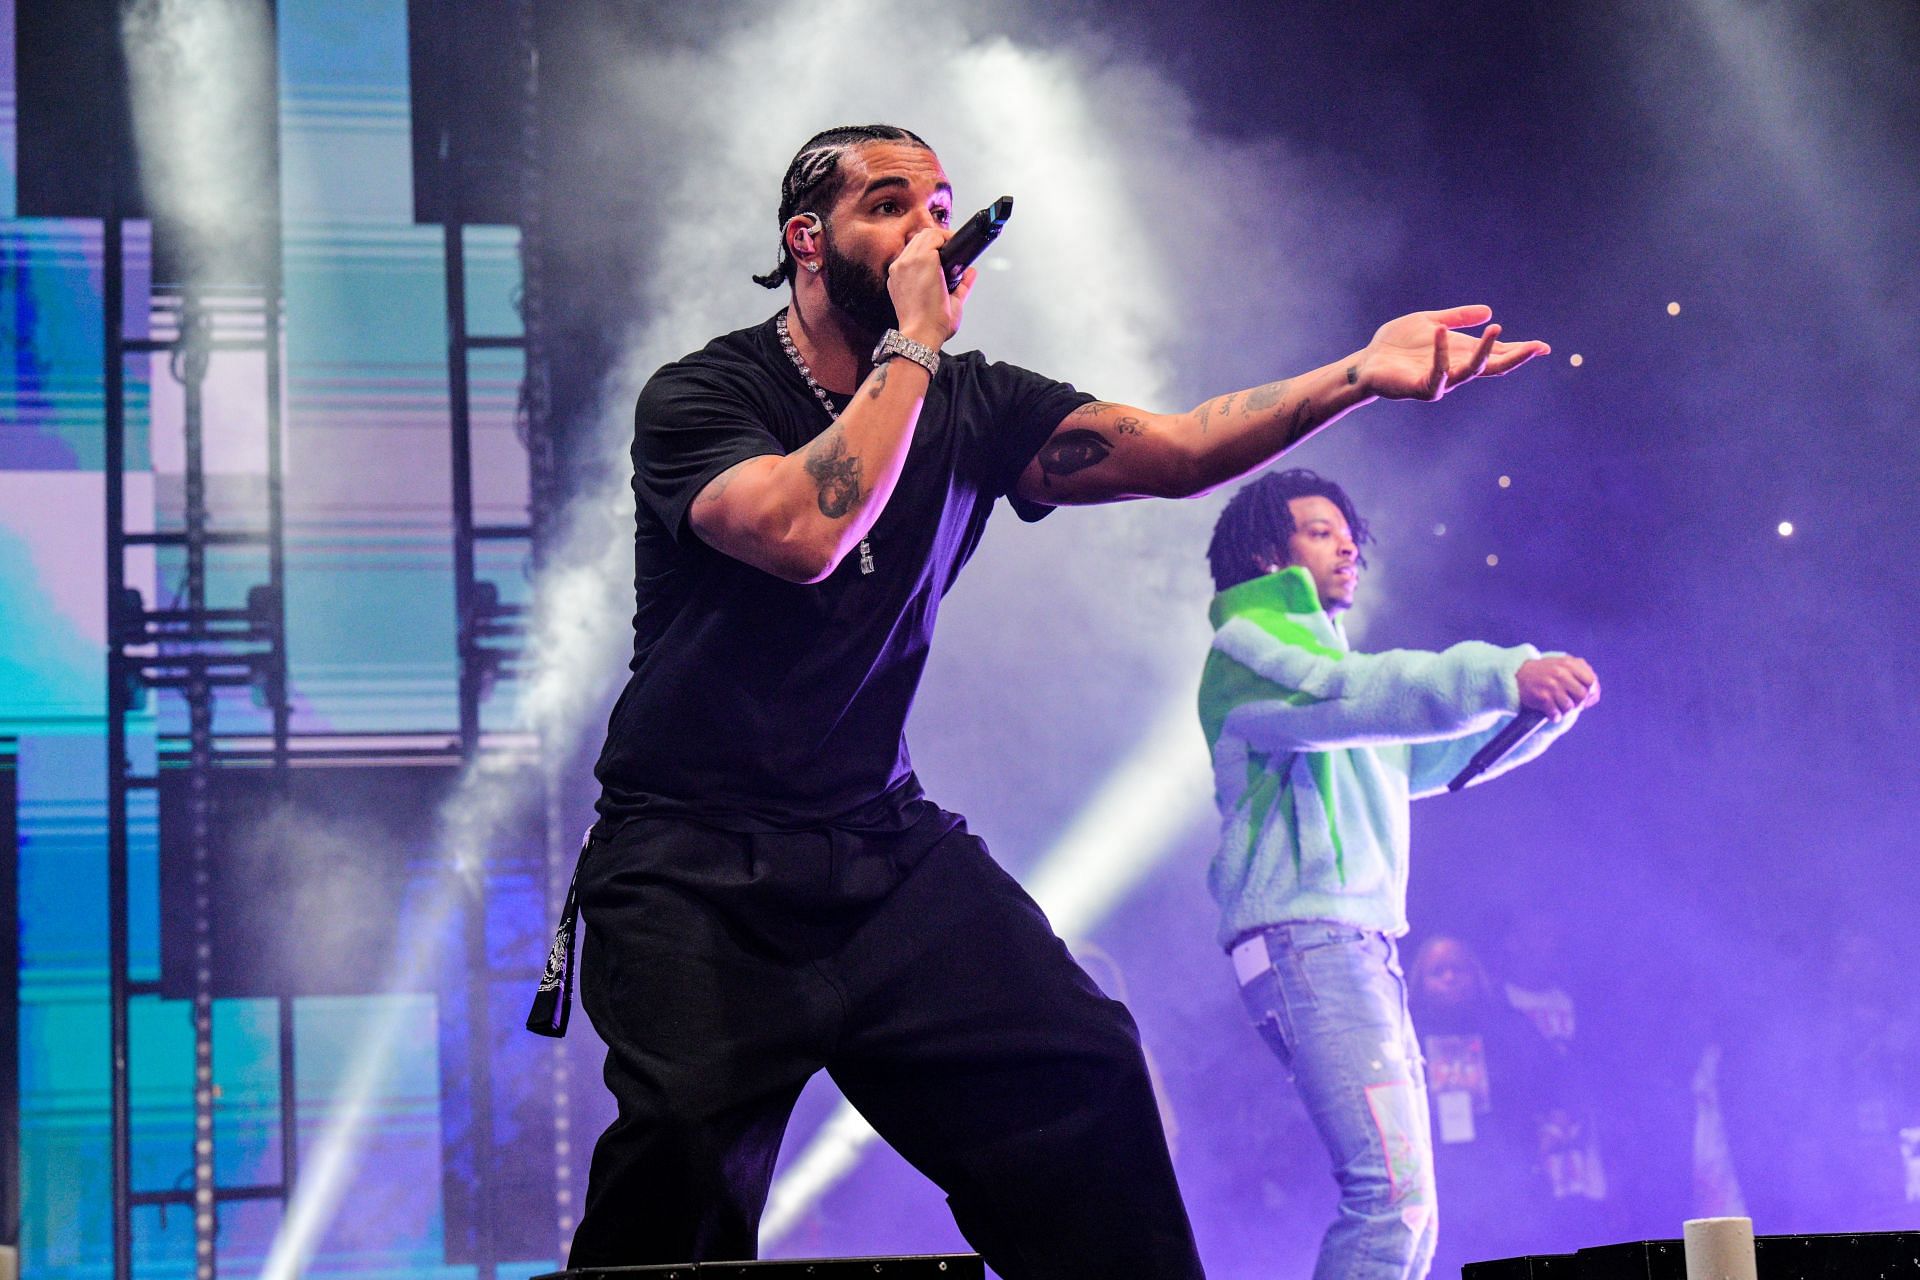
column 813, row 267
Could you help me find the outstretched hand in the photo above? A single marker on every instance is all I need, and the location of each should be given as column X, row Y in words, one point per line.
column 1420, row 357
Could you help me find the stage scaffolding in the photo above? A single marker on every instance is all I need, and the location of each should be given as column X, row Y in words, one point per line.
column 205, row 651
column 191, row 648
column 462, row 55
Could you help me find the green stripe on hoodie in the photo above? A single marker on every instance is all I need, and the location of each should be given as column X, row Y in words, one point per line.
column 1318, row 750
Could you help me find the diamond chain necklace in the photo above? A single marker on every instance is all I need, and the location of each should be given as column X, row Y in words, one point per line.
column 820, row 394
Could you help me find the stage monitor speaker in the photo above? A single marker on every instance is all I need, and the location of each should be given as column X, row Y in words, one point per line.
column 1865, row 1255
column 932, row 1266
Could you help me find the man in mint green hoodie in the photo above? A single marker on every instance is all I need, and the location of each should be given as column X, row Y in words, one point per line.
column 1317, row 752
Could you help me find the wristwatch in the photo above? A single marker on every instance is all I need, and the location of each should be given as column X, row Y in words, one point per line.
column 896, row 343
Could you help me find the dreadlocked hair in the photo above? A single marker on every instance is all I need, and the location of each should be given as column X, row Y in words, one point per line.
column 813, row 181
column 1256, row 523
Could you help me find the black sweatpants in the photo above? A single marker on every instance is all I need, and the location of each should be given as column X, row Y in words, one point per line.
column 723, row 969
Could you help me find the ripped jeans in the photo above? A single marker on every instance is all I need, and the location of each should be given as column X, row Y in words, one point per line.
column 1331, row 1002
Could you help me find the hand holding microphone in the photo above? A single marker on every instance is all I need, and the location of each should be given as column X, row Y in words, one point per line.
column 953, row 257
column 1549, row 689
column 1554, row 686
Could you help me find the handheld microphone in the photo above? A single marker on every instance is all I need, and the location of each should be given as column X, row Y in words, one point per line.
column 1512, row 734
column 972, row 239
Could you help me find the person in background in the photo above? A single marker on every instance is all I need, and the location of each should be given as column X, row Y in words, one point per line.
column 1537, row 980
column 1499, row 1092
column 1317, row 752
column 1534, row 976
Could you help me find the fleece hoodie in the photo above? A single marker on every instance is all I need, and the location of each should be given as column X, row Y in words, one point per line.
column 1318, row 750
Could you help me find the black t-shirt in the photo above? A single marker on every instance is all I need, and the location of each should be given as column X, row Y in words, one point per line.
column 758, row 703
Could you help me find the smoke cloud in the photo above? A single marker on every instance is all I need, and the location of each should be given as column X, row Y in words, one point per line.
column 200, row 82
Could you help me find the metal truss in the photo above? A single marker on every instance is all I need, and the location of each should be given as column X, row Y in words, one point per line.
column 191, row 649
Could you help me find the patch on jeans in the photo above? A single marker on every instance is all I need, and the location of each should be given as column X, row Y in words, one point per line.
column 1394, row 1120
column 1251, row 959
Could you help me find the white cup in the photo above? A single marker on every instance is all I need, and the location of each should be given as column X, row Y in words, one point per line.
column 1719, row 1249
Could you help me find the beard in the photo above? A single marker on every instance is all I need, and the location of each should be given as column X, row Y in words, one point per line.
column 859, row 292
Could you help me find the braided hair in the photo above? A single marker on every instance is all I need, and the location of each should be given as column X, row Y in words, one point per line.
column 1257, row 522
column 813, row 181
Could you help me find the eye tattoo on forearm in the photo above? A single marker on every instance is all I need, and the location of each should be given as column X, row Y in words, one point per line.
column 836, row 475
column 1074, row 449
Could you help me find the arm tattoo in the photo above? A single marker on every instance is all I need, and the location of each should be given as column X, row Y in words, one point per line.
column 836, row 475
column 1092, row 408
column 1206, row 412
column 1226, row 404
column 1074, row 449
column 715, row 487
column 1302, row 421
column 1353, row 374
column 1265, row 397
column 877, row 383
column 1129, row 426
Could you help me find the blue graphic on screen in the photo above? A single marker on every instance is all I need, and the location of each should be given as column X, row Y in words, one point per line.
column 370, row 643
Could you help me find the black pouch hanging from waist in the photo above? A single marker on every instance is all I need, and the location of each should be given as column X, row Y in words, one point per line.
column 553, row 998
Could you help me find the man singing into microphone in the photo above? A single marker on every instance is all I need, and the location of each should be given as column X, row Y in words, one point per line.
column 768, row 892
column 1316, row 752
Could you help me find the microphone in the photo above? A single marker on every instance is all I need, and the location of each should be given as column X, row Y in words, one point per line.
column 972, row 239
column 1512, row 734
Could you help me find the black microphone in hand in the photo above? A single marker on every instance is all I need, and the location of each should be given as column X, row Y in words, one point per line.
column 1512, row 734
column 972, row 239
